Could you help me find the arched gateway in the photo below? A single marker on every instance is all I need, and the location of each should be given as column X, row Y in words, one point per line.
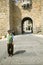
column 27, row 25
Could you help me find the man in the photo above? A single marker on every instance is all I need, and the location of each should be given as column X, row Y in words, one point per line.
column 10, row 43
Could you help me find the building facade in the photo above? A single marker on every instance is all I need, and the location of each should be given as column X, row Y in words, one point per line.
column 21, row 16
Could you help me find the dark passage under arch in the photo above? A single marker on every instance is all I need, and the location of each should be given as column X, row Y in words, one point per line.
column 27, row 25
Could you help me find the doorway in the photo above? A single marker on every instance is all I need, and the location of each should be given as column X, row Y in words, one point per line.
column 27, row 25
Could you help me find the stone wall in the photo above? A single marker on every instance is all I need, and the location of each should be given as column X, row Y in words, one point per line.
column 42, row 16
column 11, row 16
column 4, row 16
column 34, row 14
column 11, row 13
column 15, row 18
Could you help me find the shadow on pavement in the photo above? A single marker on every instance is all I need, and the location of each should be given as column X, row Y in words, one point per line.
column 19, row 52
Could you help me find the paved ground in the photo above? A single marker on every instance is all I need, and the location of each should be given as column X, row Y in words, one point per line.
column 28, row 51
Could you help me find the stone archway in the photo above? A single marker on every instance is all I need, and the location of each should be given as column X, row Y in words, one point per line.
column 27, row 25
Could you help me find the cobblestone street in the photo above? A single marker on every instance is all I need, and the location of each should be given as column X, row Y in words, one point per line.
column 28, row 50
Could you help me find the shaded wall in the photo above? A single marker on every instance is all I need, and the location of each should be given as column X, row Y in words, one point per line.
column 11, row 15
column 15, row 18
